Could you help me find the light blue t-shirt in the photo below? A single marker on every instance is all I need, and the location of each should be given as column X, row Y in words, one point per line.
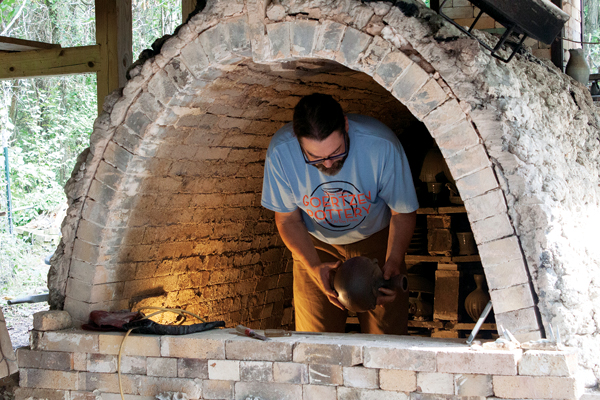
column 355, row 203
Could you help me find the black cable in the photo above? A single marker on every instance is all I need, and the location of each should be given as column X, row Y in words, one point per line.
column 576, row 41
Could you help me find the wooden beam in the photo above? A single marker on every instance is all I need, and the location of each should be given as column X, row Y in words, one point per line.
column 14, row 44
column 31, row 64
column 187, row 6
column 113, row 34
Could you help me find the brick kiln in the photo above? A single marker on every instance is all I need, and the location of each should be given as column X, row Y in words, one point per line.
column 165, row 204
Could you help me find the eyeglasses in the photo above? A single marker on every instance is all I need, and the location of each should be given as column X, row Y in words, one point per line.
column 331, row 158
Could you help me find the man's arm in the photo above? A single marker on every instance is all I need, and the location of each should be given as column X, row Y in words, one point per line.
column 296, row 237
column 402, row 227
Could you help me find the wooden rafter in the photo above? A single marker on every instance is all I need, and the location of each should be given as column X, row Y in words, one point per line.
column 14, row 44
column 31, row 64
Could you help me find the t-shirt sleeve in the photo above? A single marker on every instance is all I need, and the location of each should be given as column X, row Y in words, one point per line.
column 277, row 194
column 396, row 186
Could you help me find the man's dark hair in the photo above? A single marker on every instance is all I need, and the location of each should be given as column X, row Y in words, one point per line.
column 317, row 116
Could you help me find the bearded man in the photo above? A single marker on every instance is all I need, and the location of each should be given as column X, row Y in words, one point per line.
column 340, row 186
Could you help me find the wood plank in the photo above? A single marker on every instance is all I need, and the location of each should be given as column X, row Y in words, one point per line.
column 459, row 259
column 113, row 34
column 469, row 327
column 445, row 301
column 448, row 266
column 444, row 334
column 14, row 44
column 417, row 258
column 31, row 64
column 425, row 324
column 442, row 210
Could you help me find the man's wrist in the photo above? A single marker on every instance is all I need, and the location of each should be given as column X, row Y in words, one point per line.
column 396, row 259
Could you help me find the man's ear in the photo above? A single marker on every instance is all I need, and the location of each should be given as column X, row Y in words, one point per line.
column 347, row 126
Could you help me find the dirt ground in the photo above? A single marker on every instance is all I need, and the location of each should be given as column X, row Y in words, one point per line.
column 19, row 321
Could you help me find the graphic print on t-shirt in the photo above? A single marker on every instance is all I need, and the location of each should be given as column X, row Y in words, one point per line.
column 337, row 205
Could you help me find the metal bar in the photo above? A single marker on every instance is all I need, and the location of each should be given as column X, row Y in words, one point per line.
column 476, row 19
column 462, row 29
column 556, row 49
column 434, row 5
column 517, row 48
column 32, row 298
column 505, row 36
column 7, row 175
column 482, row 318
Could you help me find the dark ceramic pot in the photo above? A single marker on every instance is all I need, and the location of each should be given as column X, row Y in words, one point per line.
column 357, row 282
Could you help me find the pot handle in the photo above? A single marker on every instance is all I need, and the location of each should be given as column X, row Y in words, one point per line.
column 398, row 282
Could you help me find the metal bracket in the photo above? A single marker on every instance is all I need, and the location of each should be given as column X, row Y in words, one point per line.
column 501, row 41
column 482, row 318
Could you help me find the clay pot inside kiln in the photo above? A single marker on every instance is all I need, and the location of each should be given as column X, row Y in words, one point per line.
column 357, row 282
column 477, row 299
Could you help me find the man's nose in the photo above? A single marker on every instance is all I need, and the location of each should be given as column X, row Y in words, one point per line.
column 328, row 163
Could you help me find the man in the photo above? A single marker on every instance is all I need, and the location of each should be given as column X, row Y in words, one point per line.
column 340, row 186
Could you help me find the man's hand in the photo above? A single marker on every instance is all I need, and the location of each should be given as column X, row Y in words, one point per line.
column 297, row 239
column 390, row 269
column 324, row 277
column 402, row 227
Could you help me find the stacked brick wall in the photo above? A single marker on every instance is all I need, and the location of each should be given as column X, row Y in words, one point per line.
column 173, row 132
column 187, row 79
column 501, row 128
column 573, row 26
column 196, row 236
column 77, row 365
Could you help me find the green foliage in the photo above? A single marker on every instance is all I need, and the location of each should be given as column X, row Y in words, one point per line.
column 22, row 268
column 8, row 10
column 592, row 34
column 153, row 19
column 49, row 120
column 22, row 272
column 53, row 116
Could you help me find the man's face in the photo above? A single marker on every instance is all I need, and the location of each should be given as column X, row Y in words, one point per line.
column 330, row 150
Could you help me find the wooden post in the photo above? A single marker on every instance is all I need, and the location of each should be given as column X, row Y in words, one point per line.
column 556, row 49
column 187, row 6
column 113, row 34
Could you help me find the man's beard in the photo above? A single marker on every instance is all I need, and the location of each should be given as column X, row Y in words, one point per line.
column 333, row 170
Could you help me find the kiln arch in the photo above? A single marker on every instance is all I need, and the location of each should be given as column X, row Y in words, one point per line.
column 104, row 227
